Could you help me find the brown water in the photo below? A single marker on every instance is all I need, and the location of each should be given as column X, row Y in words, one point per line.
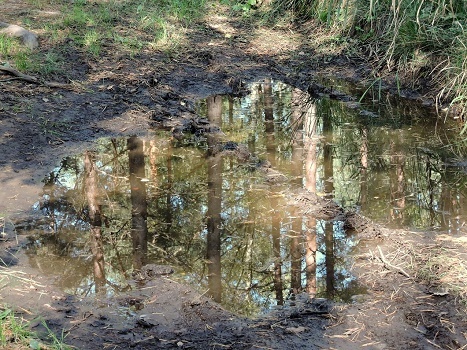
column 225, row 225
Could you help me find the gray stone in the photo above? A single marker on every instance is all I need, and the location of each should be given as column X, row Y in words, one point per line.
column 29, row 39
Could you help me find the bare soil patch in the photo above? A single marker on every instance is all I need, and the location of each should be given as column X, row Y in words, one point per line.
column 122, row 95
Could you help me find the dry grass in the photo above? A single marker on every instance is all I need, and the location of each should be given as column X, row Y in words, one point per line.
column 440, row 263
column 444, row 268
column 417, row 293
column 422, row 43
column 7, row 275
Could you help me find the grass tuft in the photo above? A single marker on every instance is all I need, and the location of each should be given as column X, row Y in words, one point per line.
column 103, row 27
column 423, row 42
column 15, row 333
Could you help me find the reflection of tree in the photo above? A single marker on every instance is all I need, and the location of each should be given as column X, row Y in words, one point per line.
column 328, row 161
column 297, row 173
column 269, row 122
column 311, row 165
column 329, row 254
column 168, row 219
column 310, row 145
column 328, row 156
column 268, row 105
column 215, row 165
column 139, row 228
column 91, row 190
column 252, row 228
column 276, row 247
column 310, row 256
column 276, row 217
column 327, row 272
column 214, row 226
column 398, row 184
column 449, row 207
column 364, row 166
column 296, row 252
column 153, row 162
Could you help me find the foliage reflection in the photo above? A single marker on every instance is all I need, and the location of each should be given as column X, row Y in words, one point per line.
column 227, row 227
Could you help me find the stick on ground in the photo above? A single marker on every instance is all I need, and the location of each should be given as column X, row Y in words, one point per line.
column 31, row 79
column 391, row 266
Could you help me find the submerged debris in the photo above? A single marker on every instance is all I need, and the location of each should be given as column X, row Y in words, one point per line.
column 151, row 271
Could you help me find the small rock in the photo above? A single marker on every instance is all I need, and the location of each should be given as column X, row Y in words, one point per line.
column 144, row 322
column 296, row 330
column 29, row 39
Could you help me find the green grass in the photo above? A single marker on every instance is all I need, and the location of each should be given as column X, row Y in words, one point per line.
column 101, row 28
column 12, row 51
column 58, row 343
column 420, row 41
column 13, row 330
column 7, row 45
column 15, row 333
column 133, row 25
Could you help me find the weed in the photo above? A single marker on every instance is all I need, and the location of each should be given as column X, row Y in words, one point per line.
column 100, row 27
column 6, row 45
column 411, row 37
column 57, row 343
column 378, row 80
column 92, row 42
column 133, row 44
column 22, row 61
column 13, row 330
column 12, row 51
column 52, row 62
column 15, row 333
column 49, row 128
column 245, row 5
column 439, row 267
column 78, row 18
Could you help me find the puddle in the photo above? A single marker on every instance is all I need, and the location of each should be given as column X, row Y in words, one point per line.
column 217, row 207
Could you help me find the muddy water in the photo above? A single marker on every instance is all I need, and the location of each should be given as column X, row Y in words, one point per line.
column 216, row 207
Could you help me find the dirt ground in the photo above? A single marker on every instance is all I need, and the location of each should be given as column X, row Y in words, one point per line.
column 121, row 95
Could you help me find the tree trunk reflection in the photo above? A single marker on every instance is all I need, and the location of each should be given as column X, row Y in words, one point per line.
column 276, row 217
column 95, row 220
column 215, row 166
column 296, row 253
column 329, row 243
column 397, row 182
column 268, row 105
column 139, row 228
column 328, row 160
column 364, row 166
column 276, row 247
column 311, row 166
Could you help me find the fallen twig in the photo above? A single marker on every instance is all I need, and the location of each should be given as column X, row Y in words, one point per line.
column 389, row 265
column 30, row 79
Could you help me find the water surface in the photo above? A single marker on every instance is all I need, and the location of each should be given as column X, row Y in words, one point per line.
column 217, row 207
